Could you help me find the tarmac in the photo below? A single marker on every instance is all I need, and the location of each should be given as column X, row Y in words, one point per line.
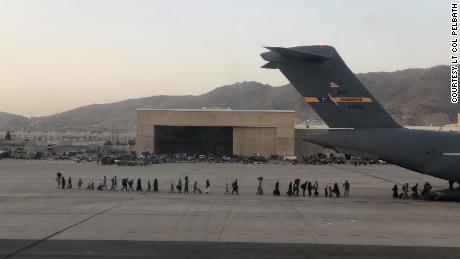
column 38, row 220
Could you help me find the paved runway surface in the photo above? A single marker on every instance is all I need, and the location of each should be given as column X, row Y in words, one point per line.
column 199, row 250
column 32, row 208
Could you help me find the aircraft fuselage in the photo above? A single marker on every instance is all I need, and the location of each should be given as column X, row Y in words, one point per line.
column 433, row 153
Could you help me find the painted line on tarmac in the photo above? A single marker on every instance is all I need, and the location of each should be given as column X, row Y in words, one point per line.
column 37, row 242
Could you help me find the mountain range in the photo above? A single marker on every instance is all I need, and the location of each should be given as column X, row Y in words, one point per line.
column 412, row 97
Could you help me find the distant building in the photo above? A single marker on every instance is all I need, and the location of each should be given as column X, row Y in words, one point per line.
column 215, row 131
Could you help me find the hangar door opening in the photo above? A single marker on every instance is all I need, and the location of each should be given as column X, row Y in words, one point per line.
column 193, row 140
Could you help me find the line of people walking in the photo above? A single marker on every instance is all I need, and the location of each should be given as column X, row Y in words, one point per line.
column 308, row 188
column 184, row 188
column 312, row 189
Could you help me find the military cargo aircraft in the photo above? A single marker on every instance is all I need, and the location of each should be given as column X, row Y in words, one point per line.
column 323, row 79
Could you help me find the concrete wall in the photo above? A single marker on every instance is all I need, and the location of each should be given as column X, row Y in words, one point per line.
column 264, row 132
column 247, row 141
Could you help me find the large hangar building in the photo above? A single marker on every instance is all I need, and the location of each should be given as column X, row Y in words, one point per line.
column 216, row 131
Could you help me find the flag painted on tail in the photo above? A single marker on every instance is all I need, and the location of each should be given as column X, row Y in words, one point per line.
column 332, row 84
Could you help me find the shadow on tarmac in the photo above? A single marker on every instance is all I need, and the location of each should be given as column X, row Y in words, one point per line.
column 14, row 248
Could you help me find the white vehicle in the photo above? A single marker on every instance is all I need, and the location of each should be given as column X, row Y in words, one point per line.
column 226, row 158
column 290, row 158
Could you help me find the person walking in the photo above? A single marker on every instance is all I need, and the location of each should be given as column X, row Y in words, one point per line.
column 139, row 185
column 186, row 184
column 309, row 188
column 130, row 184
column 63, row 182
column 346, row 187
column 155, row 185
column 330, row 191
column 208, row 184
column 276, row 191
column 304, row 188
column 179, row 186
column 69, row 183
column 124, row 184
column 149, row 186
column 290, row 192
column 405, row 189
column 316, row 188
column 104, row 183
column 58, row 179
column 395, row 191
column 115, row 182
column 336, row 190
column 235, row 187
column 325, row 191
column 296, row 187
column 260, row 190
column 79, row 183
column 111, row 184
column 172, row 187
column 415, row 191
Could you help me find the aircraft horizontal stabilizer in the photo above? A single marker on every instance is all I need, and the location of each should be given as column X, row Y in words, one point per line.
column 297, row 54
column 270, row 65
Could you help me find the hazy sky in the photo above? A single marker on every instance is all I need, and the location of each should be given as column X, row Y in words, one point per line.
column 57, row 55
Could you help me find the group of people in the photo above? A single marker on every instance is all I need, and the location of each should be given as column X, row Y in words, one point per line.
column 62, row 182
column 312, row 188
column 127, row 185
column 196, row 189
column 405, row 191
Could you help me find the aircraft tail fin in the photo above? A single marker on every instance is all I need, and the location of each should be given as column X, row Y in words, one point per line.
column 323, row 79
